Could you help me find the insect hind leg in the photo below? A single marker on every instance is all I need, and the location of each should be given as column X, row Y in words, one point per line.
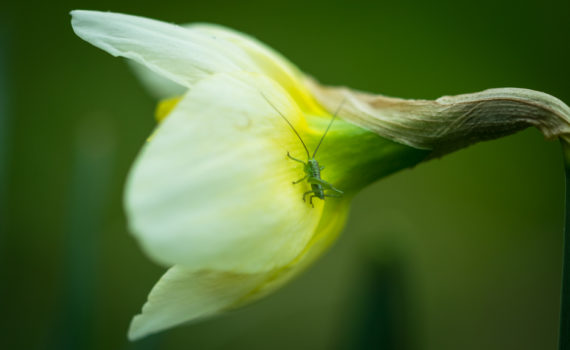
column 336, row 191
column 324, row 184
column 306, row 194
column 311, row 200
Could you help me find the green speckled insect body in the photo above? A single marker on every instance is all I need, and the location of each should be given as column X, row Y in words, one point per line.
column 312, row 167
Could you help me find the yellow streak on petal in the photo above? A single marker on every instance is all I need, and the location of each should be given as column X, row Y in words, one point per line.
column 329, row 228
column 164, row 108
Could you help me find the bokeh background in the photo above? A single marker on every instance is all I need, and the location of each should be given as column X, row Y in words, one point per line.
column 462, row 252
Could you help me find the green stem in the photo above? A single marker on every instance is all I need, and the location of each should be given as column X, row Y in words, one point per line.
column 564, row 335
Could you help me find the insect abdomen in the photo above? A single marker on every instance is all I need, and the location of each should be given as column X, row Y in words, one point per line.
column 318, row 190
column 315, row 172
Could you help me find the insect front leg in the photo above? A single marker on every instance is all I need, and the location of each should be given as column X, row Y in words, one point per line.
column 296, row 182
column 295, row 159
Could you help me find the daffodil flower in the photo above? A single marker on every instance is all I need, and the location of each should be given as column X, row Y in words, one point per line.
column 211, row 196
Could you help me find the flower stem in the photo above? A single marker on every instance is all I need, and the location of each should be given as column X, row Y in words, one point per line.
column 564, row 335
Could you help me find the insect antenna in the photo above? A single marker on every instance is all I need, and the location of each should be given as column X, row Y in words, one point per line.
column 288, row 122
column 328, row 127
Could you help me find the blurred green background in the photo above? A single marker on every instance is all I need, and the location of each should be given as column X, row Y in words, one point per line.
column 462, row 252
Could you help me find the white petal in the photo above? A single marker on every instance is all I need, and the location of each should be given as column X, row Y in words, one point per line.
column 268, row 60
column 212, row 189
column 178, row 54
column 156, row 85
column 182, row 295
column 272, row 63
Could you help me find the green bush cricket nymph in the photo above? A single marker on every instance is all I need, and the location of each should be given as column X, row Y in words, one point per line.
column 311, row 166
